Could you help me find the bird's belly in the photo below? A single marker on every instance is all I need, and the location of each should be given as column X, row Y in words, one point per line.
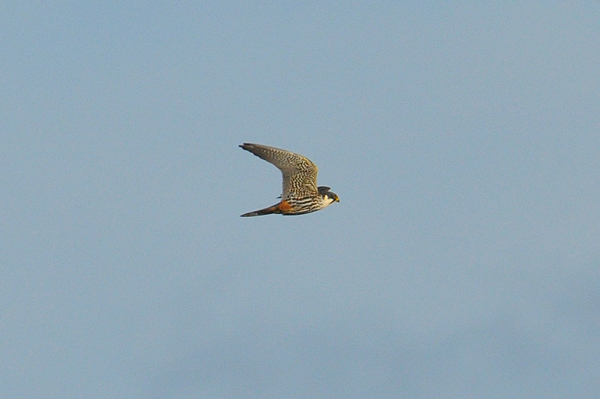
column 285, row 207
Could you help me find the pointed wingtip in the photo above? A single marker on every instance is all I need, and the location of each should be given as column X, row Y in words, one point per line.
column 245, row 146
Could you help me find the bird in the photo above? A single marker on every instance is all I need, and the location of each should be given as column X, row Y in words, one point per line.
column 300, row 193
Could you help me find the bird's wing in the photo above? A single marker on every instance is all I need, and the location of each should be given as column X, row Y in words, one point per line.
column 299, row 173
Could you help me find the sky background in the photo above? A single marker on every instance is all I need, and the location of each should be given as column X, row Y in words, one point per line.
column 463, row 139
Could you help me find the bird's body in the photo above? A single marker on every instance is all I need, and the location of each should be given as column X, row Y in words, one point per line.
column 300, row 193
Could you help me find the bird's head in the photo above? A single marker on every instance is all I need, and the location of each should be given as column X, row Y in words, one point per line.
column 333, row 196
column 328, row 196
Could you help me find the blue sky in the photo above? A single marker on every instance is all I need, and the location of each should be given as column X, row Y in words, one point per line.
column 462, row 261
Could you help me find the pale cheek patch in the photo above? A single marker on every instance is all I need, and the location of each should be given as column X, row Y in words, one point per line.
column 327, row 200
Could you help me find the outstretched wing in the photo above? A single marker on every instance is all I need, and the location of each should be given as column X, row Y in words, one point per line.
column 299, row 173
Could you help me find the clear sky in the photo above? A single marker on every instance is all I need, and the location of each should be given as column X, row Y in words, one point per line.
column 463, row 139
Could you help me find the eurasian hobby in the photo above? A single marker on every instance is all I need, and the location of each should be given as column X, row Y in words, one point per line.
column 300, row 192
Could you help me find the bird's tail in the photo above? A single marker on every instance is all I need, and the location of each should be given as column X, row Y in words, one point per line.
column 266, row 211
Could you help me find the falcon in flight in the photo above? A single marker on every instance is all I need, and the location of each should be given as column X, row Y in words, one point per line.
column 300, row 192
